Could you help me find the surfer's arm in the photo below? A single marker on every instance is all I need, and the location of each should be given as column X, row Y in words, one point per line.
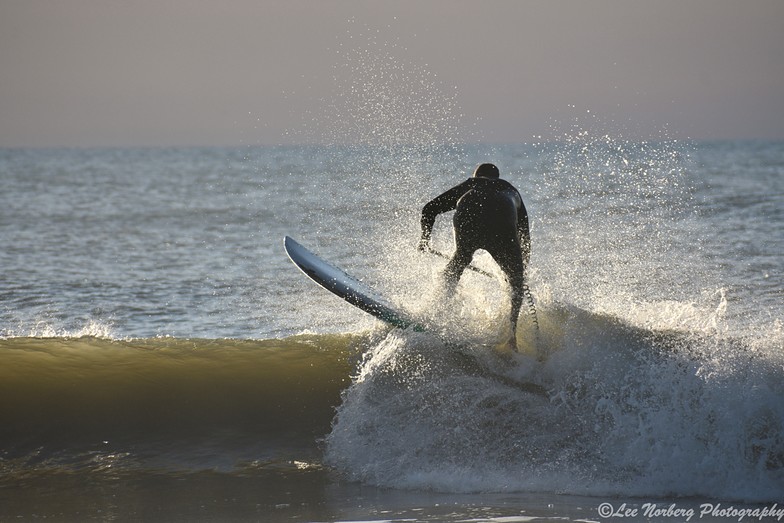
column 442, row 203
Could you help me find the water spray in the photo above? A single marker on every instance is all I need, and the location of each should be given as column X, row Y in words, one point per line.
column 529, row 299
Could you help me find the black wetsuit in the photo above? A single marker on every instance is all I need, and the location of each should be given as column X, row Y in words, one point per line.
column 489, row 215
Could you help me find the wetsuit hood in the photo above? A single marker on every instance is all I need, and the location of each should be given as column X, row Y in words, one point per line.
column 486, row 170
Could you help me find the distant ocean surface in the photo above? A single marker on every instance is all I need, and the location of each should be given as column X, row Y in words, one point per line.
column 162, row 359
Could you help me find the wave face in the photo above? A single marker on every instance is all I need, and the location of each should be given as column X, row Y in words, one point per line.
column 86, row 403
column 627, row 411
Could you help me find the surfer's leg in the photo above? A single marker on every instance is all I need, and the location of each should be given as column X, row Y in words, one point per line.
column 454, row 269
column 448, row 280
column 467, row 241
column 510, row 258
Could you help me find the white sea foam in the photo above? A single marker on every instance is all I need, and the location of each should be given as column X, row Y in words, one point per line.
column 46, row 329
column 629, row 411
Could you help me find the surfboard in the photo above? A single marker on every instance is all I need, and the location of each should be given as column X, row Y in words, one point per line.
column 346, row 286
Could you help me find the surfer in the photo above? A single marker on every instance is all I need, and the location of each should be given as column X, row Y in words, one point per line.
column 489, row 215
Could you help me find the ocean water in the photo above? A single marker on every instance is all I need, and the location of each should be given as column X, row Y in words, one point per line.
column 162, row 359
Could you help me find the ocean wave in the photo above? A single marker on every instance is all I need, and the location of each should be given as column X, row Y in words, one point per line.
column 593, row 405
column 62, row 397
column 629, row 411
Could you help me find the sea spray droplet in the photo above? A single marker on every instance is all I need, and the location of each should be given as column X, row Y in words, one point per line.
column 393, row 128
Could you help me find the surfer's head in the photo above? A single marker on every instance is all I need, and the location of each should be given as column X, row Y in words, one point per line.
column 486, row 170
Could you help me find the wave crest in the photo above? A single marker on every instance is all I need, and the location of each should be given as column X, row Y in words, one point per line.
column 628, row 411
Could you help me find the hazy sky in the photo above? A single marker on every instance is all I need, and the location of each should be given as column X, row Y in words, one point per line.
column 188, row 72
